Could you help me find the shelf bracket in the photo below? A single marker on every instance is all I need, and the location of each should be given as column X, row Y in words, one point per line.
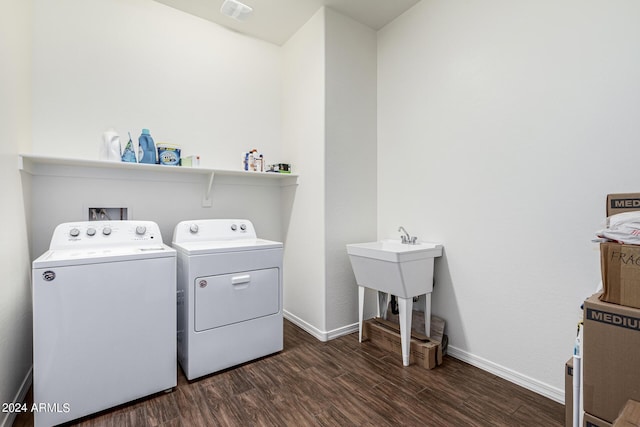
column 206, row 200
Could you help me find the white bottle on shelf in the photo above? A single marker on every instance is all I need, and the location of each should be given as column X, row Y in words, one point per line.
column 110, row 149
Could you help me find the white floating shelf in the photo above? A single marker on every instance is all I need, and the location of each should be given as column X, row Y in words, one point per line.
column 36, row 164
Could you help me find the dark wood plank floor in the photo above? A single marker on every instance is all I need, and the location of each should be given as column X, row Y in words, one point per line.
column 337, row 383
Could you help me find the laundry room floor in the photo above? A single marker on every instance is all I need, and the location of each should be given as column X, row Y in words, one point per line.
column 337, row 383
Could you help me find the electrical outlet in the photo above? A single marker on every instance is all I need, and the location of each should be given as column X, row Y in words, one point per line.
column 107, row 214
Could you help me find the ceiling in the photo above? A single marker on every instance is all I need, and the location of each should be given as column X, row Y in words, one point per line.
column 277, row 20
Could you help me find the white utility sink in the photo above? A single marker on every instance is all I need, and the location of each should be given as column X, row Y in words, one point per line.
column 401, row 269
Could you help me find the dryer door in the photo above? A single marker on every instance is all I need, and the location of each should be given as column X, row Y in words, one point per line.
column 231, row 298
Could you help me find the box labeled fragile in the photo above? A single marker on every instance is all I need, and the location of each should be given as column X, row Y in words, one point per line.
column 425, row 354
column 611, row 357
column 620, row 266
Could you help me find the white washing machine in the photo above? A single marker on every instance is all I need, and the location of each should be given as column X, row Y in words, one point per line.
column 104, row 318
column 229, row 295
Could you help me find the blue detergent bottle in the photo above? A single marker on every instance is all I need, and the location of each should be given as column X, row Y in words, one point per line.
column 147, row 149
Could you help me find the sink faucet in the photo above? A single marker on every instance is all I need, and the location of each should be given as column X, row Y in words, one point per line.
column 406, row 238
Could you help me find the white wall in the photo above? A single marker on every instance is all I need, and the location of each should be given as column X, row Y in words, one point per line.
column 15, row 286
column 135, row 64
column 501, row 128
column 329, row 110
column 350, row 157
column 303, row 106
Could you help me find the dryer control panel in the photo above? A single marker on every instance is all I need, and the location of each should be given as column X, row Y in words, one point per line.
column 207, row 230
column 94, row 233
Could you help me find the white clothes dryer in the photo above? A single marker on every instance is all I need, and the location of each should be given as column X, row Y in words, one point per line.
column 229, row 295
column 104, row 318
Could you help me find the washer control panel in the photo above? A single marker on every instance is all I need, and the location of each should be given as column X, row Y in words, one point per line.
column 91, row 233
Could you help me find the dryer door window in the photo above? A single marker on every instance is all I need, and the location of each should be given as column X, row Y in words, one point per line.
column 231, row 298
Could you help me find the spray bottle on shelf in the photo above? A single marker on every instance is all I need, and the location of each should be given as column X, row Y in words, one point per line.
column 147, row 149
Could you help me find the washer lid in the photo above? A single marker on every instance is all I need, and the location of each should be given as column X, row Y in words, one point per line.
column 218, row 246
column 67, row 257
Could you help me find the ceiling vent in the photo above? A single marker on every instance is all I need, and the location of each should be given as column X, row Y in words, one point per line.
column 236, row 10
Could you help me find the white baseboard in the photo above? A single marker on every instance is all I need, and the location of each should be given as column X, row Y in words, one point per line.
column 323, row 336
column 524, row 381
column 344, row 330
column 10, row 417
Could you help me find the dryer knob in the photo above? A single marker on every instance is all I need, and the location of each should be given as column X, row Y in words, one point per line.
column 91, row 231
column 141, row 229
column 243, row 227
column 193, row 228
column 106, row 231
column 74, row 232
column 234, row 227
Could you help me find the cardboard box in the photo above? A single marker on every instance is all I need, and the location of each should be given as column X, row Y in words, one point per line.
column 620, row 266
column 417, row 324
column 630, row 415
column 591, row 421
column 568, row 393
column 426, row 354
column 624, row 202
column 611, row 357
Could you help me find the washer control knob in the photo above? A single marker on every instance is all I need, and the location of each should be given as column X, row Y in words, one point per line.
column 234, row 227
column 106, row 231
column 91, row 231
column 74, row 232
column 193, row 228
column 140, row 230
column 243, row 227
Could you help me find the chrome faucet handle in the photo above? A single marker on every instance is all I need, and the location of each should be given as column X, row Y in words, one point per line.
column 414, row 239
column 404, row 238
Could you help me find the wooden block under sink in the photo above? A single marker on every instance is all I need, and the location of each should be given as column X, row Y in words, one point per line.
column 425, row 354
